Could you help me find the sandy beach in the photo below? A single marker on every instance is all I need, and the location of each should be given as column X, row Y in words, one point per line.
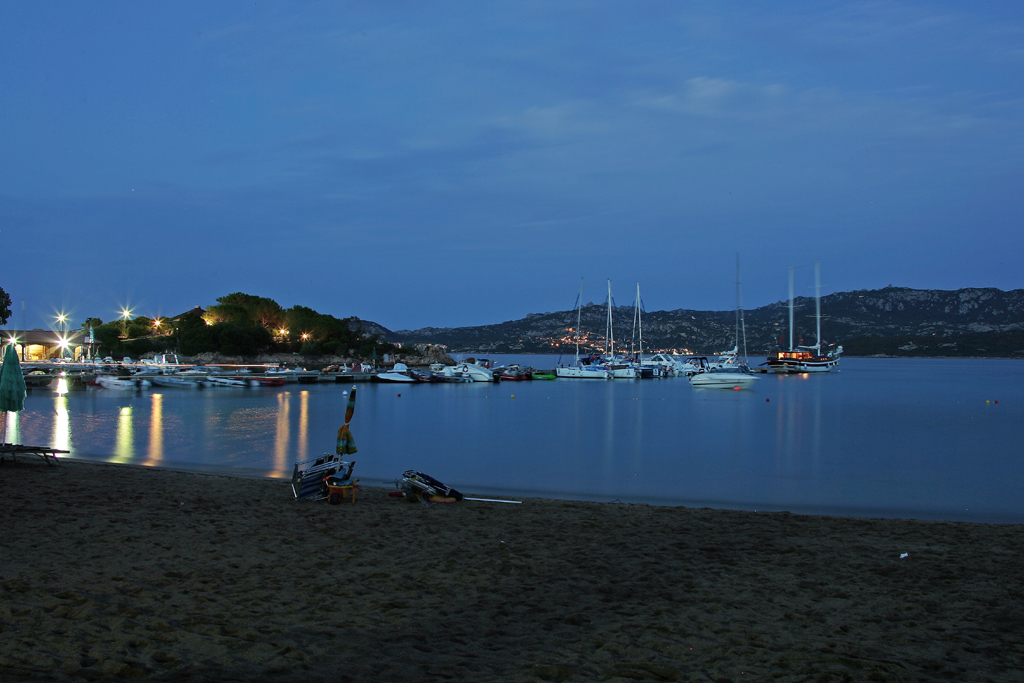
column 112, row 572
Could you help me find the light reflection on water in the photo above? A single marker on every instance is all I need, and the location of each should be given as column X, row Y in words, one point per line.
column 881, row 437
column 124, row 443
column 155, row 453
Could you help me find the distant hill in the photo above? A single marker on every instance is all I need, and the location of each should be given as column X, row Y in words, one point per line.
column 890, row 321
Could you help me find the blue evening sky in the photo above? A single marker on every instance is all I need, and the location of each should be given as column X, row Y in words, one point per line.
column 464, row 163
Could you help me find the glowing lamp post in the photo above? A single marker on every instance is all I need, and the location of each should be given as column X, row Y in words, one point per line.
column 125, row 315
column 63, row 319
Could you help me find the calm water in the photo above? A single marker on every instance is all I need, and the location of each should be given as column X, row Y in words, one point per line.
column 930, row 439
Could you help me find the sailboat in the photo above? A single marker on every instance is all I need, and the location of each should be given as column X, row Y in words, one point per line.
column 649, row 367
column 800, row 359
column 730, row 371
column 580, row 369
column 619, row 367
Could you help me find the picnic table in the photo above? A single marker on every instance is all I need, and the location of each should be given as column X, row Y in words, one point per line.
column 49, row 455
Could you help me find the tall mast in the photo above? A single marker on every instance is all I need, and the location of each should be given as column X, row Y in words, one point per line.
column 579, row 312
column 741, row 324
column 790, row 307
column 640, row 321
column 609, row 332
column 817, row 305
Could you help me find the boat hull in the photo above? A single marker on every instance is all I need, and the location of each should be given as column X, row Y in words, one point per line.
column 582, row 372
column 723, row 380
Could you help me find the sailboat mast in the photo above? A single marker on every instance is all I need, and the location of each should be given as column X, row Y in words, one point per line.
column 790, row 308
column 640, row 321
column 817, row 305
column 741, row 324
column 579, row 312
column 609, row 333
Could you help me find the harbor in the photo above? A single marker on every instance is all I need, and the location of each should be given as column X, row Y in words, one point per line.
column 931, row 439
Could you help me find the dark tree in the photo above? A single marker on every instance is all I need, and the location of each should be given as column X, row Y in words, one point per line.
column 5, row 306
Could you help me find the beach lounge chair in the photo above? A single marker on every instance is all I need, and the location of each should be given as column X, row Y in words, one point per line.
column 424, row 488
column 309, row 478
column 49, row 455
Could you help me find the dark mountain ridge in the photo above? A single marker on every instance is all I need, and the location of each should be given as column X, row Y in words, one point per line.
column 889, row 321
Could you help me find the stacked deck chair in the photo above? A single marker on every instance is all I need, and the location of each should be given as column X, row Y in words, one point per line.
column 309, row 478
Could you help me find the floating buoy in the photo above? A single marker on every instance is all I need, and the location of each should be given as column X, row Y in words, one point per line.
column 767, row 400
column 513, row 395
column 399, row 396
column 736, row 389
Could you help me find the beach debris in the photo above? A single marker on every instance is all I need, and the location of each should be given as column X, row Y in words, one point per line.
column 904, row 556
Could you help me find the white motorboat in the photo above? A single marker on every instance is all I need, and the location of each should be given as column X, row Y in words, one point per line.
column 220, row 381
column 398, row 374
column 450, row 373
column 177, row 382
column 121, row 383
column 708, row 376
column 476, row 373
column 718, row 378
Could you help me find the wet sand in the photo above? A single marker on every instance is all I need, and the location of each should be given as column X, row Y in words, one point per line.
column 112, row 572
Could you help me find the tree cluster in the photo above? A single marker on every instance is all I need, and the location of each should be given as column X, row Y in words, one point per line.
column 239, row 325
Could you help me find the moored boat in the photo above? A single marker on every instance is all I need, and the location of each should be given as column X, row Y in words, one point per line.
column 399, row 374
column 581, row 368
column 221, row 381
column 121, row 383
column 477, row 373
column 710, row 377
column 178, row 382
column 800, row 359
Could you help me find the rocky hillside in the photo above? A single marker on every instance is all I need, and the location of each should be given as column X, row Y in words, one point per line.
column 892, row 321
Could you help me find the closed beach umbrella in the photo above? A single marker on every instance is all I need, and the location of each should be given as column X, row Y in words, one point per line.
column 346, row 444
column 12, row 385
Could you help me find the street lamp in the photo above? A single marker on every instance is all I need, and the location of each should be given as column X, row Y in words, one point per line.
column 63, row 319
column 125, row 314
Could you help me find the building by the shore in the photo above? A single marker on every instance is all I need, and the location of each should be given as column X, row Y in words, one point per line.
column 38, row 345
